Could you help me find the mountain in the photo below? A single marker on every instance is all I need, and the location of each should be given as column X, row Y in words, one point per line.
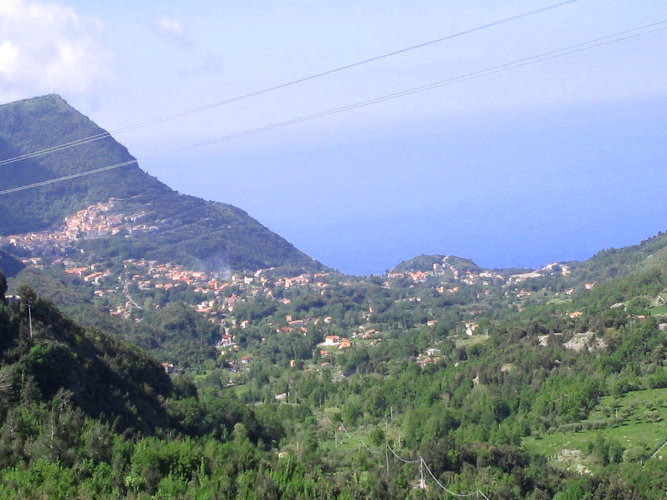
column 184, row 229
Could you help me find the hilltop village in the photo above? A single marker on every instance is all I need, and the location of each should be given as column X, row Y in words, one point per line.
column 96, row 221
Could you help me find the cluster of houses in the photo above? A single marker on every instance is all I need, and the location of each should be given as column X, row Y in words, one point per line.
column 444, row 275
column 146, row 275
column 105, row 219
column 100, row 220
column 446, row 272
column 94, row 221
column 430, row 356
column 89, row 273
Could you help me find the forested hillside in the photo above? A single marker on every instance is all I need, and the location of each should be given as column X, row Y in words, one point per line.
column 437, row 376
column 85, row 416
column 651, row 253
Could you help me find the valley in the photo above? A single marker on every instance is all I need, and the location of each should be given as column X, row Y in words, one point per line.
column 156, row 345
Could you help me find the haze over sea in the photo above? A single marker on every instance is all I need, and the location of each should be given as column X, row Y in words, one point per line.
column 512, row 190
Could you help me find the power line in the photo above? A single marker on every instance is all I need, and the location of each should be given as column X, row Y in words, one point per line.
column 657, row 451
column 598, row 42
column 544, row 56
column 459, row 495
column 422, row 465
column 371, row 450
column 67, row 177
column 404, row 460
column 53, row 149
column 181, row 114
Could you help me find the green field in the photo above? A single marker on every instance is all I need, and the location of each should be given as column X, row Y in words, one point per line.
column 659, row 311
column 470, row 341
column 637, row 421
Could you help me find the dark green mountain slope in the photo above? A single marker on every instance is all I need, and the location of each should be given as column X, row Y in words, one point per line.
column 43, row 122
column 649, row 254
column 190, row 230
column 174, row 333
column 9, row 265
column 102, row 376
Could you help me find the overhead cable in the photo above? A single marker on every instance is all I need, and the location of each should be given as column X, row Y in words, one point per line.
column 67, row 177
column 181, row 114
column 553, row 54
column 580, row 47
column 459, row 495
column 404, row 460
column 371, row 450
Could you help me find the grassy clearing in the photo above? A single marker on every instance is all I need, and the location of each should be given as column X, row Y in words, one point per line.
column 346, row 440
column 559, row 301
column 659, row 311
column 471, row 341
column 637, row 421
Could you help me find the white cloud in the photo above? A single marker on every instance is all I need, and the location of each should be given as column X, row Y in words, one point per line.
column 45, row 45
column 171, row 26
column 8, row 58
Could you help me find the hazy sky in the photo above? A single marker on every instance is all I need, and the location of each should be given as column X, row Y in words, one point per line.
column 551, row 161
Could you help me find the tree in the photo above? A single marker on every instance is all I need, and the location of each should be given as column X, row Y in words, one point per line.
column 3, row 286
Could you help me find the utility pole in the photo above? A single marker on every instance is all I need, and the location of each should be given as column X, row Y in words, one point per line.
column 30, row 317
column 386, row 442
column 422, row 483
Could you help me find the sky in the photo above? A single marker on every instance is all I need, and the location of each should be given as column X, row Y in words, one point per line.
column 547, row 162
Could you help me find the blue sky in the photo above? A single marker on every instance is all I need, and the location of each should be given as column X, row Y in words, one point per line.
column 551, row 161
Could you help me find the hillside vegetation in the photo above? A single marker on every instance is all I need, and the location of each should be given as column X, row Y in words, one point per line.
column 85, row 416
column 516, row 388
